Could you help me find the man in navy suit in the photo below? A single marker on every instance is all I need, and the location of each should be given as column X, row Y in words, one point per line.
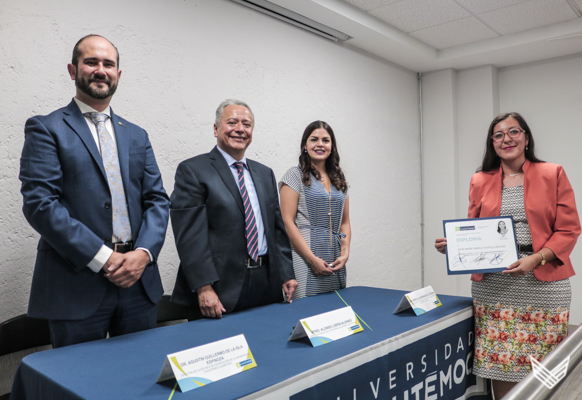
column 233, row 247
column 92, row 189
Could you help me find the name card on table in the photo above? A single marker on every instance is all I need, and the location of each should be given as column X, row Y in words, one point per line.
column 208, row 363
column 421, row 301
column 327, row 327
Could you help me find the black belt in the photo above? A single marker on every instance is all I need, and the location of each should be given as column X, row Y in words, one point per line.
column 121, row 247
column 262, row 260
column 527, row 248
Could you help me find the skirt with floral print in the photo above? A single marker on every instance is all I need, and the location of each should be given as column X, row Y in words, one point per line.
column 517, row 318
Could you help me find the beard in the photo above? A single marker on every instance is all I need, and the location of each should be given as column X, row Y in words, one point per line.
column 84, row 84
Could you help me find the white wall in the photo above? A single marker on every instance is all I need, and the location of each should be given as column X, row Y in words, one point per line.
column 179, row 60
column 549, row 96
column 456, row 106
column 457, row 114
column 440, row 166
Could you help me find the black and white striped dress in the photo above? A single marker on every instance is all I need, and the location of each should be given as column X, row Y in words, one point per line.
column 313, row 222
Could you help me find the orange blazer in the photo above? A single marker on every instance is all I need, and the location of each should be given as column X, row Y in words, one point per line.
column 550, row 209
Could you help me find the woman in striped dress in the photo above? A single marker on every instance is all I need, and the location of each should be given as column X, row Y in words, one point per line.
column 315, row 209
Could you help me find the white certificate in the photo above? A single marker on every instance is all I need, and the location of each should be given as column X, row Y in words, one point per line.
column 480, row 245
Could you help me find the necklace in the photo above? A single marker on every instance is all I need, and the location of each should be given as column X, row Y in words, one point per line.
column 322, row 180
column 513, row 175
column 329, row 213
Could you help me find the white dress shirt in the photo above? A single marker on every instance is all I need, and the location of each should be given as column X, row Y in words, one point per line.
column 262, row 245
column 97, row 263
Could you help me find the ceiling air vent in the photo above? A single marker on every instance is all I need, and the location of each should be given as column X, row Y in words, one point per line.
column 293, row 18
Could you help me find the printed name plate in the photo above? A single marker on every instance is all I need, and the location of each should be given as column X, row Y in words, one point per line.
column 421, row 301
column 480, row 245
column 209, row 363
column 327, row 327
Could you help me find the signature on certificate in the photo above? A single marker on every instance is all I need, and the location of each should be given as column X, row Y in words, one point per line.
column 474, row 260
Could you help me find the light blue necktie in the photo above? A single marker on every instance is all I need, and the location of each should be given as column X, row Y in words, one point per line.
column 121, row 226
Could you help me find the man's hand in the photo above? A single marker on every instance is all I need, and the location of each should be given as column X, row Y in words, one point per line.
column 125, row 269
column 114, row 262
column 209, row 303
column 289, row 287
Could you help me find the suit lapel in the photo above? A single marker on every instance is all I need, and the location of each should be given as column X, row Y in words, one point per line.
column 77, row 122
column 219, row 163
column 492, row 197
column 122, row 139
column 260, row 186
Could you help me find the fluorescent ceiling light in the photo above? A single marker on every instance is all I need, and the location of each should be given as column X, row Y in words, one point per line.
column 294, row 18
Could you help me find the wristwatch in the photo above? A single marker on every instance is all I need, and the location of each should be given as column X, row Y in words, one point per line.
column 543, row 257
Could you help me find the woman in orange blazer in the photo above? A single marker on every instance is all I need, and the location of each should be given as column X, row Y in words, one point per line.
column 523, row 311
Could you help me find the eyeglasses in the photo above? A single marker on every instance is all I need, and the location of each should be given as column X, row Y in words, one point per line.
column 512, row 133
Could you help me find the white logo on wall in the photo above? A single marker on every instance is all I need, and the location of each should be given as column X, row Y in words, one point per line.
column 547, row 377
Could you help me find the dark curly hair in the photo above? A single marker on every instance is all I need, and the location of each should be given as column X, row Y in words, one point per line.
column 336, row 176
column 491, row 160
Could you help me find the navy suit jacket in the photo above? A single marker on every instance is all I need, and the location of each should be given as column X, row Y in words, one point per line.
column 208, row 220
column 67, row 200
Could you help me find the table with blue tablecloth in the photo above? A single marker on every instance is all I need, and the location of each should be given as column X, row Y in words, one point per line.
column 397, row 356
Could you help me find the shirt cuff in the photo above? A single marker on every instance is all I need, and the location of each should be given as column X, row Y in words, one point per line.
column 147, row 251
column 211, row 284
column 97, row 263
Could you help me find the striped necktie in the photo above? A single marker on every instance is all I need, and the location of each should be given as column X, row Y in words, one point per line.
column 121, row 226
column 251, row 232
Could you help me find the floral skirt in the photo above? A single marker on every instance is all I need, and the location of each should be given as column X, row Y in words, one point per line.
column 517, row 318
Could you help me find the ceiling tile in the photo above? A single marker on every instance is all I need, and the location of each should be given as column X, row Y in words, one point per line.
column 413, row 15
column 480, row 6
column 528, row 15
column 368, row 5
column 454, row 33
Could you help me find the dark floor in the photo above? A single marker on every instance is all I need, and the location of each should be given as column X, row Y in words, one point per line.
column 571, row 388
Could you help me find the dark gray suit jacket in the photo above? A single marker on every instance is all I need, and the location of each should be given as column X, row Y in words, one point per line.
column 209, row 228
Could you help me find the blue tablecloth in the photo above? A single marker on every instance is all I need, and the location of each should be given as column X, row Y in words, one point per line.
column 127, row 367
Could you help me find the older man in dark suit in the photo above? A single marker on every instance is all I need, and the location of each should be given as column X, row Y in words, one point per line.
column 93, row 190
column 233, row 247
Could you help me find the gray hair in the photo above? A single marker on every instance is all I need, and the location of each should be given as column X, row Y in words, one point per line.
column 231, row 102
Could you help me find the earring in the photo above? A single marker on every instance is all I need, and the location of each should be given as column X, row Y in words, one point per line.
column 305, row 150
column 526, row 148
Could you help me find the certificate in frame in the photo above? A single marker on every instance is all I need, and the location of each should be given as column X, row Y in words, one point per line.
column 479, row 245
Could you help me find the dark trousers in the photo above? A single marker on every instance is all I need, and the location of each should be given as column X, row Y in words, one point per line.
column 256, row 291
column 122, row 311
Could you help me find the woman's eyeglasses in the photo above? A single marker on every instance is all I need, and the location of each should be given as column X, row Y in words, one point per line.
column 512, row 133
